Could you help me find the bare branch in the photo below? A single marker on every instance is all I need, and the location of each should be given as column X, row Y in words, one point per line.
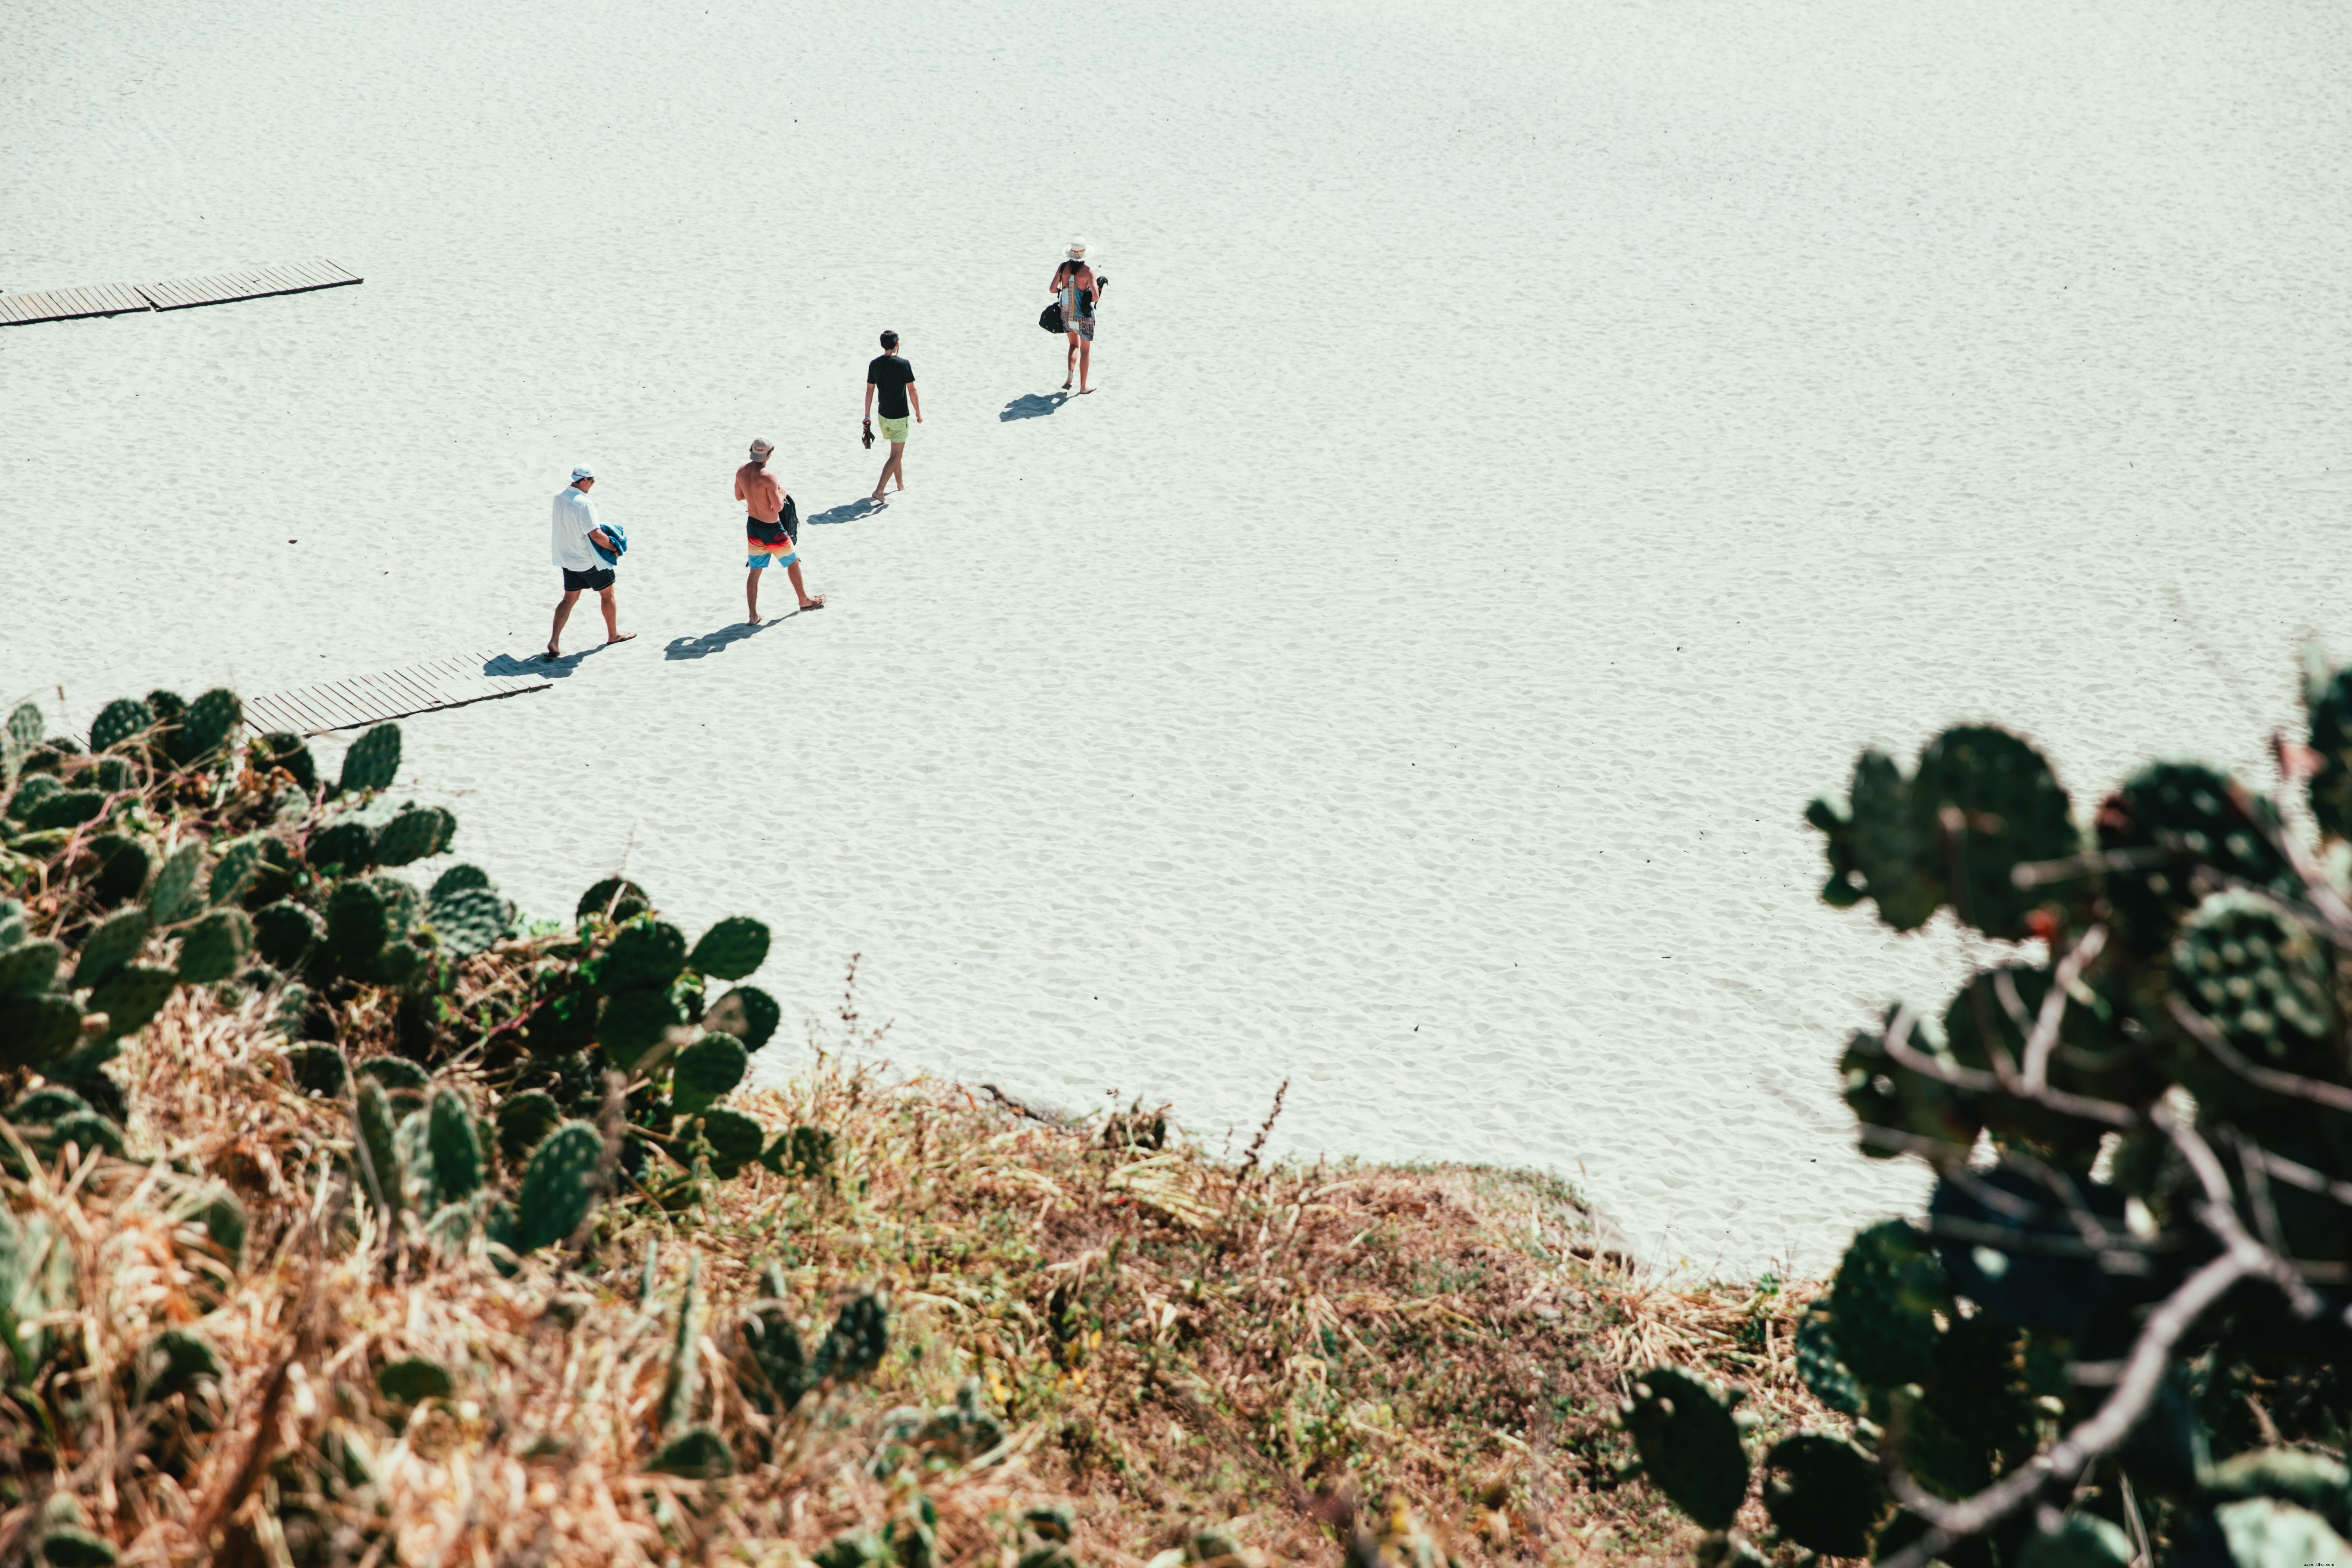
column 2031, row 874
column 2044, row 1038
column 2319, row 1091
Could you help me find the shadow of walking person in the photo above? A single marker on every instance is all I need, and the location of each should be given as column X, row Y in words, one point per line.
column 1032, row 406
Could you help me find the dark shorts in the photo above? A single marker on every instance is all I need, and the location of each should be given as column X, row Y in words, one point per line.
column 599, row 580
column 785, row 530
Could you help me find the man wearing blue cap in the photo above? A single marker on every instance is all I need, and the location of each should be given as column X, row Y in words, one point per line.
column 576, row 539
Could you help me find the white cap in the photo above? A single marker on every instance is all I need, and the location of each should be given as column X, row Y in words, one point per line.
column 1078, row 248
column 582, row 472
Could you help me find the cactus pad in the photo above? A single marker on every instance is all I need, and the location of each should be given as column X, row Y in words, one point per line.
column 32, row 793
column 1882, row 1306
column 284, row 933
column 318, row 1068
column 458, row 1166
column 179, row 890
column 234, row 872
column 2086, row 1540
column 734, row 1138
column 374, row 760
column 123, row 863
column 177, row 1361
column 747, row 1013
column 458, row 879
column 773, row 1345
column 523, row 1119
column 696, row 1454
column 1895, row 860
column 379, row 1177
column 397, row 1074
column 347, row 844
column 215, row 947
column 132, row 996
column 282, row 751
column 414, row 1380
column 115, row 942
column 2261, row 979
column 646, row 955
column 73, row 1546
column 2006, row 807
column 357, row 923
column 1818, row 1364
column 124, row 720
column 634, row 1021
column 731, row 948
column 1689, row 1444
column 615, row 898
column 469, row 920
column 65, row 808
column 559, row 1186
column 1824, row 1494
column 202, row 732
column 36, row 1029
column 859, row 1338
column 2179, row 815
column 706, row 1070
column 31, row 967
column 414, row 834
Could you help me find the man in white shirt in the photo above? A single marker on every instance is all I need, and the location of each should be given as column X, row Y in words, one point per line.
column 575, row 539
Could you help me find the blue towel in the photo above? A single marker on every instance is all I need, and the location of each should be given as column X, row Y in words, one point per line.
column 613, row 532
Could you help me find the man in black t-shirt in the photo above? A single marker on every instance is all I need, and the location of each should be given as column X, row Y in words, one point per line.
column 890, row 381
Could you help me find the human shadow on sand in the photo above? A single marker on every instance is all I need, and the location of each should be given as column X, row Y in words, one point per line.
column 721, row 640
column 848, row 512
column 1032, row 406
column 538, row 664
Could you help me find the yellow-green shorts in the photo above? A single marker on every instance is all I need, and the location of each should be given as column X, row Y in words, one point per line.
column 892, row 429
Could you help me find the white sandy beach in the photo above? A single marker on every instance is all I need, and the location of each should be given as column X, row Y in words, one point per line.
column 1539, row 446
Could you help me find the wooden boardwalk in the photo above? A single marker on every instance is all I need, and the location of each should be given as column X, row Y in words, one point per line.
column 360, row 701
column 221, row 287
column 175, row 294
column 70, row 304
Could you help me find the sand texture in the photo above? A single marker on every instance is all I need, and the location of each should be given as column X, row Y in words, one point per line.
column 1539, row 444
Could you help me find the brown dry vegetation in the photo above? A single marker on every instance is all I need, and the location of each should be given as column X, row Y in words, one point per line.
column 1169, row 1343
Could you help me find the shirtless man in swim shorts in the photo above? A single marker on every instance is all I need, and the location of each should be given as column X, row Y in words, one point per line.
column 1075, row 287
column 772, row 528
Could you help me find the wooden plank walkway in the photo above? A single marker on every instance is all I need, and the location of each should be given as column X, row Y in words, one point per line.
column 69, row 304
column 360, row 701
column 221, row 287
column 173, row 294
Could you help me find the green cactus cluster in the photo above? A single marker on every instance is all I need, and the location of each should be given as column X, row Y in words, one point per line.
column 2192, row 1096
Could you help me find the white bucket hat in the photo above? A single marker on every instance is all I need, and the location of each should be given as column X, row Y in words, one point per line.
column 761, row 448
column 1079, row 247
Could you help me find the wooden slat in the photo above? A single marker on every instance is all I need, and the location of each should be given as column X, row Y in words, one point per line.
column 226, row 288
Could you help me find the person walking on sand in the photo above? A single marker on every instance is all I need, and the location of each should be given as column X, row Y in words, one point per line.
column 576, row 539
column 890, row 388
column 1075, row 289
column 771, row 530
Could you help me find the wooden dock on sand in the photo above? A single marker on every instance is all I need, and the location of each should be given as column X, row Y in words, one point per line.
column 173, row 294
column 361, row 701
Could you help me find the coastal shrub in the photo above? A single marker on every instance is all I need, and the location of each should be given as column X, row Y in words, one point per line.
column 2119, row 1332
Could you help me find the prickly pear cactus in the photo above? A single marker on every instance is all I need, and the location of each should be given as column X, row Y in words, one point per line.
column 1824, row 1494
column 2168, row 819
column 1990, row 801
column 684, row 1380
column 731, row 948
column 2262, row 980
column 119, row 721
column 414, row 834
column 560, row 1185
column 457, row 1163
column 646, row 955
column 1882, row 1309
column 735, row 1139
column 1897, row 861
column 240, row 862
column 772, row 1344
column 374, row 760
column 469, row 919
column 1818, row 1365
column 357, row 923
column 215, row 947
column 115, row 942
column 179, row 890
column 284, row 751
column 747, row 1013
column 1689, row 1445
column 709, row 1068
column 284, row 933
column 380, row 1175
column 347, row 849
column 615, row 899
column 522, row 1121
column 204, row 731
column 859, row 1338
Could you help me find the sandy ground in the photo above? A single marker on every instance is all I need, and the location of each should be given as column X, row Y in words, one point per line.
column 1539, row 444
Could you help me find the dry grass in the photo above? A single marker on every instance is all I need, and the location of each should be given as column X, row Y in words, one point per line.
column 1169, row 1343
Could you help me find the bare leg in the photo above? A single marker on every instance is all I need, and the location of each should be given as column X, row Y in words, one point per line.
column 896, row 468
column 752, row 596
column 613, row 632
column 793, row 572
column 562, row 613
column 1068, row 361
column 1086, row 353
